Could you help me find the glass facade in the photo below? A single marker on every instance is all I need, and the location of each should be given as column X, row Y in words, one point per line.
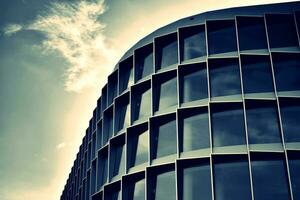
column 205, row 108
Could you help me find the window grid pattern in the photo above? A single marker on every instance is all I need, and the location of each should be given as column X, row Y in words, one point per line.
column 84, row 175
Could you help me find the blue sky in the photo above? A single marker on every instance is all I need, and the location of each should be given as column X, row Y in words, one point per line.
column 54, row 59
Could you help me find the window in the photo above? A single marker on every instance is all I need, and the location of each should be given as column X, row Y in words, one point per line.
column 166, row 48
column 194, row 180
column 257, row 75
column 122, row 110
column 134, row 187
column 290, row 116
column 104, row 98
column 192, row 42
column 94, row 175
column 287, row 72
column 163, row 136
column 141, row 101
column 269, row 177
column 102, row 169
column 165, row 95
column 228, row 127
column 221, row 36
column 94, row 142
column 108, row 125
column 138, row 145
column 125, row 74
column 193, row 129
column 99, row 135
column 262, row 124
column 193, row 83
column 113, row 192
column 224, row 78
column 278, row 38
column 251, row 33
column 231, row 177
column 112, row 87
column 162, row 185
column 294, row 165
column 144, row 62
column 117, row 156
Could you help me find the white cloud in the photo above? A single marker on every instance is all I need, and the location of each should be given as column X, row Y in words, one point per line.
column 60, row 145
column 11, row 29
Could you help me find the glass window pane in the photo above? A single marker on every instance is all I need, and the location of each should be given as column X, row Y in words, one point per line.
column 99, row 135
column 276, row 23
column 165, row 187
column 196, row 184
column 290, row 116
column 194, row 84
column 141, row 102
column 144, row 62
column 108, row 126
column 251, row 33
column 167, row 94
column 195, row 129
column 166, row 51
column 125, row 74
column 269, row 177
column 228, row 126
column 122, row 114
column 136, row 191
column 287, row 71
column 257, row 74
column 118, row 160
column 112, row 87
column 193, row 42
column 232, row 178
column 102, row 170
column 165, row 139
column 294, row 165
column 221, row 36
column 262, row 124
column 224, row 77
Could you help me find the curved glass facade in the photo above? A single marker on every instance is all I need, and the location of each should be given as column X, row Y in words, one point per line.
column 207, row 107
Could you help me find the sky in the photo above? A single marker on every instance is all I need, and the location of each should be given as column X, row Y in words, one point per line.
column 55, row 56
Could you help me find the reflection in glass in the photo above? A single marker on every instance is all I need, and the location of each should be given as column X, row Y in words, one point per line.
column 141, row 104
column 287, row 71
column 262, row 123
column 166, row 51
column 294, row 166
column 232, row 178
column 167, row 94
column 276, row 23
column 196, row 182
column 228, row 128
column 118, row 160
column 290, row 116
column 108, row 126
column 221, row 36
column 112, row 87
column 125, row 74
column 136, row 190
column 144, row 62
column 165, row 188
column 269, row 177
column 257, row 74
column 139, row 151
column 122, row 116
column 251, row 33
column 193, row 42
column 165, row 140
column 224, row 77
column 194, row 84
column 195, row 129
column 102, row 170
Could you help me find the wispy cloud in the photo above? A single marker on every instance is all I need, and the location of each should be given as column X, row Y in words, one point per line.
column 11, row 29
column 75, row 32
column 60, row 145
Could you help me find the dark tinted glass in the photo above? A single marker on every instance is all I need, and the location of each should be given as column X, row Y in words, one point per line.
column 93, row 177
column 138, row 148
column 113, row 195
column 99, row 135
column 290, row 116
column 164, row 140
column 251, row 33
column 192, row 42
column 102, row 170
column 232, row 178
column 221, row 36
column 165, row 188
column 141, row 102
column 287, row 71
column 112, row 87
column 194, row 130
column 269, row 177
column 108, row 125
column 281, row 30
column 257, row 74
column 196, row 182
column 117, row 160
column 166, row 51
column 294, row 165
column 193, row 83
column 122, row 114
column 125, row 74
column 228, row 126
column 136, row 191
column 262, row 122
column 104, row 98
column 166, row 94
column 144, row 62
column 224, row 77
